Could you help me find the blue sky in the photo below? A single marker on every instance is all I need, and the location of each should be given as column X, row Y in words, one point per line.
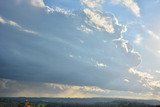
column 80, row 48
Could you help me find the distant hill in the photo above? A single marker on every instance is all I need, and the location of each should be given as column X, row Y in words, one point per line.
column 82, row 100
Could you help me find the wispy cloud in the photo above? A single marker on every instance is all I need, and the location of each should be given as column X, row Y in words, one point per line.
column 151, row 33
column 84, row 29
column 16, row 25
column 59, row 10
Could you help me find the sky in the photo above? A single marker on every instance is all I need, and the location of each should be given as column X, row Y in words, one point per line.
column 80, row 48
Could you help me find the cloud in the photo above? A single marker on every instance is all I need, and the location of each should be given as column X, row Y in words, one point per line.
column 146, row 79
column 12, row 88
column 130, row 4
column 100, row 22
column 42, row 6
column 9, row 22
column 2, row 20
column 143, row 75
column 134, row 57
column 101, row 65
column 151, row 33
column 92, row 4
column 16, row 25
column 30, row 58
column 126, row 80
column 59, row 10
column 84, row 29
column 37, row 89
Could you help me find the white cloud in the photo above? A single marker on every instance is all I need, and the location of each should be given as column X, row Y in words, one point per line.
column 59, row 10
column 2, row 20
column 101, row 65
column 138, row 39
column 92, row 3
column 9, row 22
column 100, row 21
column 132, row 5
column 126, row 80
column 84, row 29
column 146, row 79
column 124, row 45
column 41, row 4
column 16, row 25
column 143, row 75
column 74, row 87
column 151, row 33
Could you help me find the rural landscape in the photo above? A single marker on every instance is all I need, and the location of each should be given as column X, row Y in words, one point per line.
column 79, row 53
column 77, row 102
